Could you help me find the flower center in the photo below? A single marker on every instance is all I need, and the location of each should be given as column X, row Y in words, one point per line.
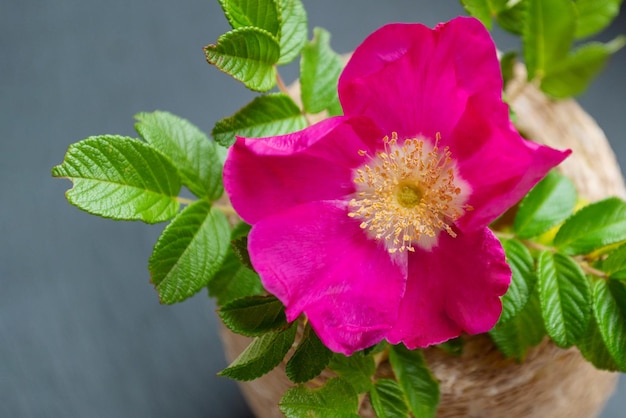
column 408, row 193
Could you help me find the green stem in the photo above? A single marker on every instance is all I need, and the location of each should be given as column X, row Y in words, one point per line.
column 281, row 84
column 225, row 209
column 184, row 200
column 503, row 235
column 283, row 89
column 586, row 267
column 536, row 246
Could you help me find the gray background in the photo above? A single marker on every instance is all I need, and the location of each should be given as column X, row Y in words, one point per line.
column 81, row 331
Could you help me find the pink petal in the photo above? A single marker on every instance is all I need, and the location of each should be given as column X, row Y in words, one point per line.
column 413, row 80
column 496, row 161
column 264, row 176
column 317, row 260
column 454, row 288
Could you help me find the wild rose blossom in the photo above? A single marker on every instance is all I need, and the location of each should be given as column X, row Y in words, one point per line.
column 374, row 224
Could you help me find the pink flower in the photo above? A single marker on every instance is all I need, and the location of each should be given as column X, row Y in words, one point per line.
column 374, row 224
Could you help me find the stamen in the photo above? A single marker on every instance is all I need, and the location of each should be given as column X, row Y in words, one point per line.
column 407, row 194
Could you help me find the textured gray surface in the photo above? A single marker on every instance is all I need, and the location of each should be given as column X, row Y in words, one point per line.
column 81, row 331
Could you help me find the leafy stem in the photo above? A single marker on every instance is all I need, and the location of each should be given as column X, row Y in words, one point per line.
column 583, row 261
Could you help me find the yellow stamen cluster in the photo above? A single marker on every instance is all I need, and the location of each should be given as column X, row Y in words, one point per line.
column 408, row 193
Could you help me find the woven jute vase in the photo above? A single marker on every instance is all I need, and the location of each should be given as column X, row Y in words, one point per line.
column 551, row 382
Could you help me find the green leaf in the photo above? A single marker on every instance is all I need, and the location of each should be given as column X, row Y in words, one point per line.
column 548, row 34
column 593, row 348
column 549, row 203
column 240, row 230
column 335, row 109
column 507, row 65
column 595, row 226
column 512, row 18
column 388, row 399
column 309, row 359
column 522, row 282
column 189, row 149
column 248, row 54
column 336, row 399
column 272, row 114
column 293, row 29
column 240, row 247
column 121, row 178
column 234, row 281
column 525, row 330
column 420, row 387
column 253, row 315
column 453, row 347
column 615, row 263
column 609, row 306
column 320, row 67
column 189, row 252
column 484, row 10
column 357, row 369
column 376, row 348
column 595, row 15
column 262, row 14
column 620, row 275
column 573, row 74
column 565, row 298
column 262, row 355
column 480, row 10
